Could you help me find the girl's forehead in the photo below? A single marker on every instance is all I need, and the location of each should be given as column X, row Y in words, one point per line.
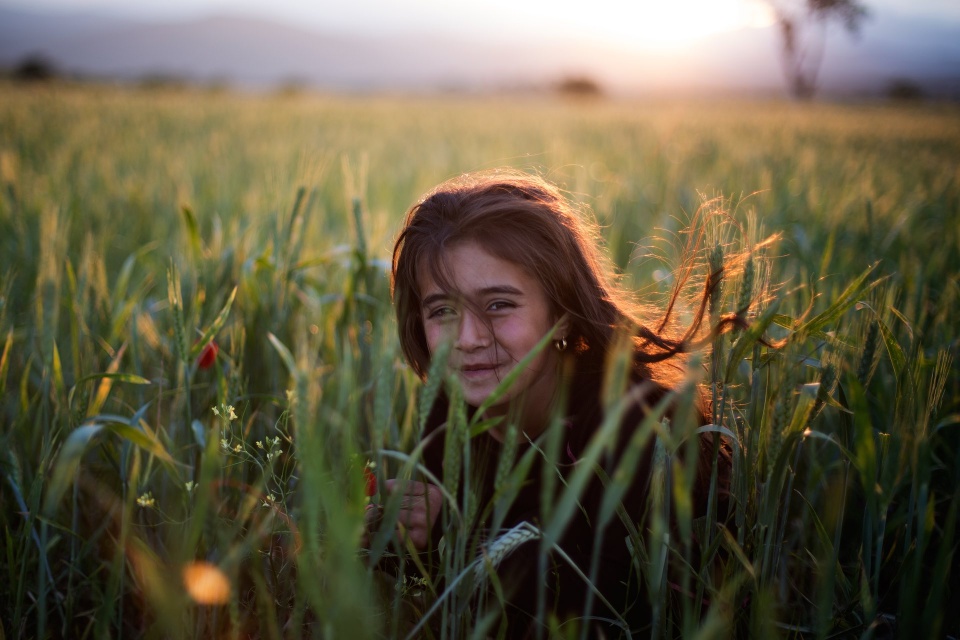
column 467, row 267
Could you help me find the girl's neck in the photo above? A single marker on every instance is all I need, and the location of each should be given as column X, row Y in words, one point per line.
column 532, row 418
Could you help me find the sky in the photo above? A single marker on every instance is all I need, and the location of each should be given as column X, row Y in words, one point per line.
column 660, row 25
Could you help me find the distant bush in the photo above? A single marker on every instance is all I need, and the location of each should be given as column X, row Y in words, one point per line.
column 217, row 86
column 905, row 90
column 161, row 80
column 291, row 87
column 579, row 86
column 34, row 68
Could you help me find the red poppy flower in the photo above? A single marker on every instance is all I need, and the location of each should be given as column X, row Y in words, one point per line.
column 371, row 481
column 208, row 355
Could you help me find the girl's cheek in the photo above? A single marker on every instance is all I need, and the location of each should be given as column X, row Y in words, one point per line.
column 435, row 334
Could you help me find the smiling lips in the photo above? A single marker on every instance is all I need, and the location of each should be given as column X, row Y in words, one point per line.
column 477, row 370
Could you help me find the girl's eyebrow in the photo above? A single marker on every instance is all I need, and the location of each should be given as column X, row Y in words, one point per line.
column 502, row 289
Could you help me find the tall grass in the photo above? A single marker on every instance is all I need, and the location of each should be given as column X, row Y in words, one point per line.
column 136, row 227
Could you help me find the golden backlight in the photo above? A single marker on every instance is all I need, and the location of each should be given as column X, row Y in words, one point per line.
column 643, row 24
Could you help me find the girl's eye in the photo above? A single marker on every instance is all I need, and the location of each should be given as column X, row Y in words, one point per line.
column 500, row 305
column 441, row 312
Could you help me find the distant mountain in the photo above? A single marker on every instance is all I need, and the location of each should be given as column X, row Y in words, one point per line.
column 257, row 52
column 254, row 52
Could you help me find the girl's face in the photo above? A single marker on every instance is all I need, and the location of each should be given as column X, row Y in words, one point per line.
column 495, row 314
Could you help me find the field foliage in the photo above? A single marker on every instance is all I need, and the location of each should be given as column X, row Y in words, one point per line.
column 148, row 488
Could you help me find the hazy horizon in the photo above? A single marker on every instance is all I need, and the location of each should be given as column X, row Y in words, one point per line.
column 603, row 19
column 687, row 45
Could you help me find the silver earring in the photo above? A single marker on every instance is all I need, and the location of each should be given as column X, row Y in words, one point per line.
column 561, row 345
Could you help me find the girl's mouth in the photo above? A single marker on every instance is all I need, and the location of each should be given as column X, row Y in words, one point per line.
column 470, row 371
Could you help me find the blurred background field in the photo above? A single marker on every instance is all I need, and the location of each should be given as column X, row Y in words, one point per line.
column 881, row 177
column 128, row 219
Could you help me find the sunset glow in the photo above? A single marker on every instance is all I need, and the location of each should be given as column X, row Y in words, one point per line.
column 646, row 25
column 638, row 24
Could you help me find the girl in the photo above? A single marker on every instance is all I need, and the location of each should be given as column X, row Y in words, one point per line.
column 485, row 267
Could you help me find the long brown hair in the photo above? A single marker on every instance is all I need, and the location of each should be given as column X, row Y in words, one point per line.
column 526, row 220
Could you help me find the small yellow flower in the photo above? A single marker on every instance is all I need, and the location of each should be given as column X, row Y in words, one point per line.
column 146, row 501
column 225, row 411
column 190, row 486
column 224, row 444
column 237, row 449
column 259, row 445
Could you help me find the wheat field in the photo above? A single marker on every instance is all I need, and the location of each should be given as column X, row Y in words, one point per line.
column 155, row 486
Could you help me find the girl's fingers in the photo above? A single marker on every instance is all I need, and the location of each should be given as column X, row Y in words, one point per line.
column 373, row 516
column 419, row 506
column 406, row 487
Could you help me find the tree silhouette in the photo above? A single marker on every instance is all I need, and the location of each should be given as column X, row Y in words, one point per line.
column 803, row 27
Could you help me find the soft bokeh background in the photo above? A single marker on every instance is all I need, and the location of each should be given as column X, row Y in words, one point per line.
column 628, row 48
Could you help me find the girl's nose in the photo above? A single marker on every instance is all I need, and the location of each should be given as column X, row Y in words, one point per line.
column 473, row 333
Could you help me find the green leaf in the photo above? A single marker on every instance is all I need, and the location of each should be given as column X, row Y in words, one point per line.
column 58, row 384
column 131, row 429
column 285, row 355
column 864, row 446
column 601, row 441
column 731, row 544
column 119, row 377
column 484, row 425
column 801, row 413
column 844, row 301
column 748, row 338
column 67, row 462
column 122, row 283
column 431, row 387
column 358, row 227
column 5, row 362
column 80, row 439
column 214, row 327
column 897, row 359
column 716, row 428
column 193, row 229
column 948, row 421
column 623, row 475
column 140, row 438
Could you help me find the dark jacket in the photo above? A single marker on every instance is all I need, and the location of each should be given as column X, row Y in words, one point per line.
column 619, row 576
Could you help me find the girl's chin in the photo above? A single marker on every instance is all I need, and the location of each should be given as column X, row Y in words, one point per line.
column 476, row 394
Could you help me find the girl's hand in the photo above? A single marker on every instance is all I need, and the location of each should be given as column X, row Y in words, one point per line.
column 419, row 507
